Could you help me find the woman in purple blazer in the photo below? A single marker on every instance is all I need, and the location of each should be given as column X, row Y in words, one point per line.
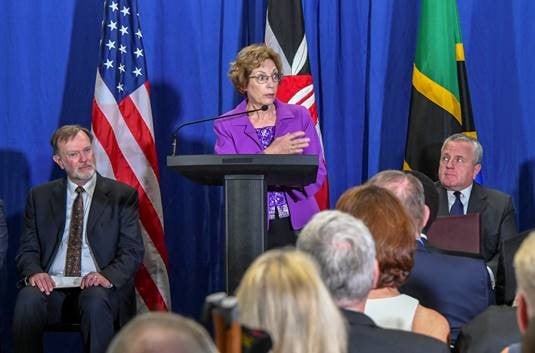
column 280, row 129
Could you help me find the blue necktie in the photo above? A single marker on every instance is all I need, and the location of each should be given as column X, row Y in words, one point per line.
column 457, row 208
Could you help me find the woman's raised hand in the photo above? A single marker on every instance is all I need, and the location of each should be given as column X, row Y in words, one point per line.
column 291, row 143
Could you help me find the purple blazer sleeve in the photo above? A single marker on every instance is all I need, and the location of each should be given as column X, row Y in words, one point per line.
column 314, row 148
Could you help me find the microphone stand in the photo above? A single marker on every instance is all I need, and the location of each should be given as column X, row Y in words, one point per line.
column 175, row 133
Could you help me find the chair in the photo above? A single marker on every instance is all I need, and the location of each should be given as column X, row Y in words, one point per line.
column 63, row 327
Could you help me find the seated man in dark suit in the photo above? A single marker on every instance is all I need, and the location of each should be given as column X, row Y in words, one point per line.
column 456, row 286
column 345, row 251
column 460, row 162
column 81, row 232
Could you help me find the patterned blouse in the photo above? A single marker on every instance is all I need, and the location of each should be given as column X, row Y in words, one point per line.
column 276, row 199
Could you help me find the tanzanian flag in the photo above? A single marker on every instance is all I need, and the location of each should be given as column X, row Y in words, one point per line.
column 440, row 102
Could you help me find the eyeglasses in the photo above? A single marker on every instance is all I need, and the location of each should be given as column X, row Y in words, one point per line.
column 263, row 79
column 75, row 155
column 457, row 160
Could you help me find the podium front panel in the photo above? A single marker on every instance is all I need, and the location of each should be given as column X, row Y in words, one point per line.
column 246, row 224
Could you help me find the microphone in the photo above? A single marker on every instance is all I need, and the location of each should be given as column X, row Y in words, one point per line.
column 193, row 122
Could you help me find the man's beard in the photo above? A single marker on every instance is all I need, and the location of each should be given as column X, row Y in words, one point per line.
column 85, row 176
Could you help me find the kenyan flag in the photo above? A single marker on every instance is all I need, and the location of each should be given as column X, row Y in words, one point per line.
column 285, row 33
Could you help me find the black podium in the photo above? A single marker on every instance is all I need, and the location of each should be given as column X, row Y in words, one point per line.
column 245, row 178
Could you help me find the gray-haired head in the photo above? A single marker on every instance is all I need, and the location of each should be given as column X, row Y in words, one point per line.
column 477, row 148
column 345, row 251
column 407, row 188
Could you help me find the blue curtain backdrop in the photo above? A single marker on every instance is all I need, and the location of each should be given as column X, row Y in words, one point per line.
column 361, row 55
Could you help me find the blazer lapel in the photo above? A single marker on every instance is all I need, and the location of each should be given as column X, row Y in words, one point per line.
column 98, row 204
column 244, row 125
column 478, row 200
column 283, row 125
column 443, row 209
column 57, row 206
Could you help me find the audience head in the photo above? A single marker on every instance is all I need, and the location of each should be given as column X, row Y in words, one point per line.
column 345, row 251
column 460, row 161
column 408, row 190
column 524, row 264
column 431, row 196
column 248, row 59
column 391, row 228
column 282, row 293
column 159, row 332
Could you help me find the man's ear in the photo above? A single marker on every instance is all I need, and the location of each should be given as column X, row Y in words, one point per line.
column 58, row 161
column 376, row 274
column 477, row 168
column 522, row 315
column 427, row 212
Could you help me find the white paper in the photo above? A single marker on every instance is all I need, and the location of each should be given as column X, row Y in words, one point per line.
column 67, row 282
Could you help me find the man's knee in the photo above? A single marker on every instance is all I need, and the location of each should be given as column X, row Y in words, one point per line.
column 30, row 299
column 30, row 308
column 94, row 299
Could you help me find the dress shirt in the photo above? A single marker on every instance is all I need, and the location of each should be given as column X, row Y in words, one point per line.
column 88, row 262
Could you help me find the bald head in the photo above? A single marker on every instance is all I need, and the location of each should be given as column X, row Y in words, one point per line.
column 158, row 332
column 408, row 189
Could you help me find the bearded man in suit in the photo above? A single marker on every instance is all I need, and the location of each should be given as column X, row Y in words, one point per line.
column 460, row 163
column 79, row 250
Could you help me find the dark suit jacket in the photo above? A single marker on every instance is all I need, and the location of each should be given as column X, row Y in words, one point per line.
column 498, row 220
column 456, row 286
column 113, row 233
column 365, row 336
column 505, row 277
column 490, row 331
column 3, row 235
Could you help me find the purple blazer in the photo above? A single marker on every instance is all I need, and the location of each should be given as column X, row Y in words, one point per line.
column 238, row 136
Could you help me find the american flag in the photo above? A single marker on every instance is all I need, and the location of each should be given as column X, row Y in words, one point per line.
column 124, row 139
column 285, row 33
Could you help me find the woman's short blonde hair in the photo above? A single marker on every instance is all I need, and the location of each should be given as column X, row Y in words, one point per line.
column 282, row 293
column 248, row 59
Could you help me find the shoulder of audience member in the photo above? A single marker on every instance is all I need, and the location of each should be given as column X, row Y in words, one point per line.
column 430, row 322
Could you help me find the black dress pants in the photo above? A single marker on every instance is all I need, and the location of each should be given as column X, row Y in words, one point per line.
column 280, row 233
column 96, row 307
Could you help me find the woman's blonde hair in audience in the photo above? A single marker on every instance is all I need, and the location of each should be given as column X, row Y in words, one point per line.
column 282, row 293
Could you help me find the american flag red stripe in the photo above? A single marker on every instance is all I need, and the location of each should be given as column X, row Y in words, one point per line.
column 149, row 291
column 124, row 140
